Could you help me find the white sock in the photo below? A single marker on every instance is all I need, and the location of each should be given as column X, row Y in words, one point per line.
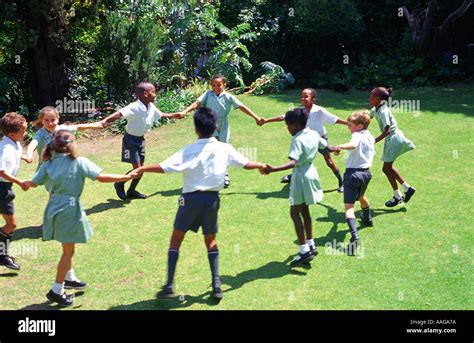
column 58, row 288
column 405, row 186
column 397, row 194
column 71, row 276
column 310, row 242
column 304, row 248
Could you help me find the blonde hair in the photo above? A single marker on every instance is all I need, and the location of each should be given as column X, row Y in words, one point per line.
column 62, row 142
column 38, row 123
column 360, row 117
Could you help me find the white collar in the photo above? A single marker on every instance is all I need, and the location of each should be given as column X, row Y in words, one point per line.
column 206, row 140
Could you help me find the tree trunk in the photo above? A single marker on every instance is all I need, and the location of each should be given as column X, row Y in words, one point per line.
column 46, row 58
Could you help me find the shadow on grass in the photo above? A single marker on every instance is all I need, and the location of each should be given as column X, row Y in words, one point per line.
column 108, row 205
column 282, row 193
column 168, row 193
column 30, row 232
column 8, row 274
column 271, row 270
column 49, row 306
column 182, row 301
column 338, row 217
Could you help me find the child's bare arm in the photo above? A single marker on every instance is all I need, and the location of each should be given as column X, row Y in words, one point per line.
column 275, row 119
column 249, row 112
column 31, row 148
column 253, row 165
column 191, row 107
column 28, row 184
column 267, row 169
column 340, row 121
column 177, row 115
column 384, row 134
column 97, row 125
column 11, row 178
column 110, row 119
column 150, row 169
column 346, row 146
column 116, row 178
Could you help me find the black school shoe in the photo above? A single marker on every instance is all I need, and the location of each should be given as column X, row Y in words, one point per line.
column 365, row 221
column 120, row 190
column 226, row 181
column 63, row 300
column 313, row 249
column 409, row 193
column 302, row 258
column 9, row 262
column 136, row 195
column 166, row 293
column 286, row 179
column 352, row 247
column 217, row 293
column 78, row 285
column 394, row 202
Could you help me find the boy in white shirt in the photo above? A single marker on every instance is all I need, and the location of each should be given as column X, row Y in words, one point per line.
column 357, row 175
column 13, row 126
column 140, row 115
column 203, row 165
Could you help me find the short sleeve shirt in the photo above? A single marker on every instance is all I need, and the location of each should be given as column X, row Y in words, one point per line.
column 304, row 147
column 317, row 117
column 384, row 117
column 221, row 104
column 10, row 156
column 363, row 155
column 140, row 118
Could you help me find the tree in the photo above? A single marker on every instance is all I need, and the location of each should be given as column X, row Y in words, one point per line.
column 429, row 38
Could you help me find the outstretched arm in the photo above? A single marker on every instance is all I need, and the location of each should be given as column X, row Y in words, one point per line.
column 10, row 178
column 97, row 125
column 31, row 148
column 116, row 178
column 253, row 165
column 267, row 169
column 110, row 119
column 150, row 169
column 191, row 107
column 249, row 112
column 177, row 115
column 340, row 121
column 275, row 119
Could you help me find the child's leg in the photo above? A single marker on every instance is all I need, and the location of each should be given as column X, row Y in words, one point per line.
column 173, row 254
column 134, row 182
column 6, row 233
column 366, row 213
column 392, row 175
column 351, row 221
column 213, row 256
column 295, row 216
column 331, row 164
column 308, row 226
column 64, row 265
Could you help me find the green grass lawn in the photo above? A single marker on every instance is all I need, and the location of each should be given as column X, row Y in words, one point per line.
column 417, row 256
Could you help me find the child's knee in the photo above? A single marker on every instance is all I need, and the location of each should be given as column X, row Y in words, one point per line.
column 386, row 168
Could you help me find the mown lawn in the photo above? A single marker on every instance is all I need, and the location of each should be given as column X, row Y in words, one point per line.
column 417, row 256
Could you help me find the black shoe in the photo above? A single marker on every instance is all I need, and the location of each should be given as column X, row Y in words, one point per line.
column 226, row 181
column 302, row 258
column 9, row 262
column 352, row 246
column 78, row 285
column 120, row 190
column 62, row 300
column 166, row 293
column 217, row 293
column 136, row 195
column 286, row 179
column 313, row 249
column 365, row 221
column 409, row 193
column 394, row 202
column 340, row 189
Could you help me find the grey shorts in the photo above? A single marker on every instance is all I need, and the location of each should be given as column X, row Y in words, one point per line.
column 198, row 209
column 133, row 149
column 6, row 198
column 355, row 184
column 324, row 151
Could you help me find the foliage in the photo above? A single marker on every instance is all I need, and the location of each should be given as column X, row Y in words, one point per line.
column 273, row 80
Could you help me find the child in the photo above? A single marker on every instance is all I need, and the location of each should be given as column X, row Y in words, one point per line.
column 140, row 115
column 305, row 188
column 317, row 117
column 395, row 144
column 64, row 218
column 46, row 124
column 13, row 126
column 221, row 102
column 357, row 175
column 203, row 165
